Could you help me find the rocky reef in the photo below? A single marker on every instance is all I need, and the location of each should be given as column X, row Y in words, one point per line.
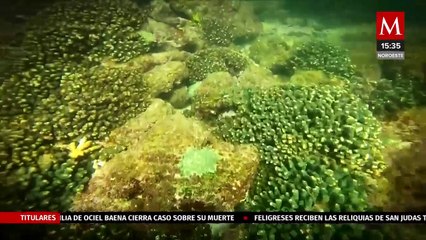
column 153, row 173
column 203, row 106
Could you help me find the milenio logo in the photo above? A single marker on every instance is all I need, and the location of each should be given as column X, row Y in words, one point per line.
column 390, row 34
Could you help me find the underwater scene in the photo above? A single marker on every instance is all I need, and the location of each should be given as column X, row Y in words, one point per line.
column 210, row 105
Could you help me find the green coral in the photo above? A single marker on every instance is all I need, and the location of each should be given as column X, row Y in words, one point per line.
column 93, row 102
column 68, row 30
column 198, row 162
column 35, row 174
column 217, row 32
column 65, row 35
column 390, row 96
column 22, row 92
column 90, row 103
column 320, row 151
column 321, row 55
column 55, row 100
column 216, row 59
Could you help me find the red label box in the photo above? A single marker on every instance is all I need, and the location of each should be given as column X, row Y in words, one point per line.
column 390, row 25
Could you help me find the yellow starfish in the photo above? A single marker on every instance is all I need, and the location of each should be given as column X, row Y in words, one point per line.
column 81, row 149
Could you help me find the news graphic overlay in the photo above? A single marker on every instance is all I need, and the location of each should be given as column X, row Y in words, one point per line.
column 390, row 35
column 211, row 217
column 243, row 217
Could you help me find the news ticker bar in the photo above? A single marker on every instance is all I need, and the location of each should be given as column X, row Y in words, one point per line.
column 210, row 217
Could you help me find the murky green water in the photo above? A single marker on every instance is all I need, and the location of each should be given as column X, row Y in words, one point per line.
column 111, row 105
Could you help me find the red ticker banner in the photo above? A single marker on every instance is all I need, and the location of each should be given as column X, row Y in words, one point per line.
column 30, row 218
column 211, row 217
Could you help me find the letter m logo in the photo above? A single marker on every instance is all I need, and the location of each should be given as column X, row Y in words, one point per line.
column 390, row 25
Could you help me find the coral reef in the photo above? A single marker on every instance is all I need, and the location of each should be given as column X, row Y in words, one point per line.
column 241, row 22
column 94, row 101
column 55, row 101
column 407, row 184
column 89, row 105
column 180, row 98
column 270, row 51
column 392, row 95
column 163, row 78
column 215, row 94
column 218, row 93
column 315, row 78
column 156, row 142
column 67, row 30
column 216, row 59
column 320, row 151
column 217, row 32
column 321, row 55
column 198, row 162
column 84, row 129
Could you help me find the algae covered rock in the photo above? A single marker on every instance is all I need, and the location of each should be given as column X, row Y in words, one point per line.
column 220, row 91
column 214, row 94
column 198, row 162
column 247, row 25
column 148, row 177
column 314, row 78
column 270, row 51
column 255, row 76
column 162, row 78
column 180, row 97
column 398, row 94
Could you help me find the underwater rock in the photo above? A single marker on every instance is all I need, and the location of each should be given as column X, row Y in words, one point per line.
column 162, row 12
column 161, row 31
column 237, row 20
column 133, row 130
column 147, row 177
column 180, row 98
column 247, row 24
column 187, row 36
column 314, row 78
column 192, row 89
column 255, row 76
column 413, row 120
column 269, row 51
column 237, row 25
column 186, row 9
column 407, row 177
column 162, row 78
column 147, row 62
column 220, row 91
column 214, row 94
